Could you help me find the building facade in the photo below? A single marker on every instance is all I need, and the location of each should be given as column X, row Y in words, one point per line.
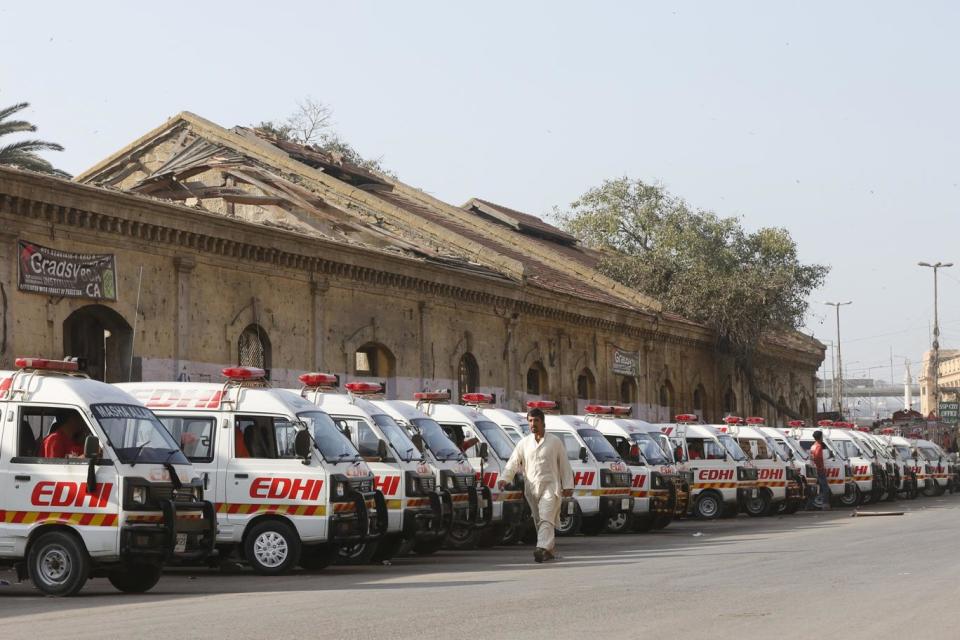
column 213, row 247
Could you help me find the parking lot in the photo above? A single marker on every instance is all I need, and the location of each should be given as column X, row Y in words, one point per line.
column 802, row 576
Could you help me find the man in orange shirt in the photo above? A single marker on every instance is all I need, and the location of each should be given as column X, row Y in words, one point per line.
column 63, row 441
column 816, row 455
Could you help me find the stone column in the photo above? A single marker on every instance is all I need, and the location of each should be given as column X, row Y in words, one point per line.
column 318, row 298
column 8, row 282
column 426, row 364
column 184, row 266
column 513, row 394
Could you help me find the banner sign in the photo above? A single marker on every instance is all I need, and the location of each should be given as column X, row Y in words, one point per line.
column 950, row 412
column 626, row 363
column 58, row 273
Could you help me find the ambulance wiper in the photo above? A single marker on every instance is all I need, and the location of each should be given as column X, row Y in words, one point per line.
column 136, row 456
column 174, row 478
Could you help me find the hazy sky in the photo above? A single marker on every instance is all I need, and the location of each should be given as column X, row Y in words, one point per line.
column 835, row 120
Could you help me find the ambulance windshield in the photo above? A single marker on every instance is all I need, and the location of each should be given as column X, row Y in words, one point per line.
column 797, row 449
column 136, row 435
column 929, row 453
column 331, row 443
column 651, row 451
column 732, row 447
column 436, row 440
column 599, row 446
column 500, row 441
column 848, row 449
column 401, row 442
column 904, row 452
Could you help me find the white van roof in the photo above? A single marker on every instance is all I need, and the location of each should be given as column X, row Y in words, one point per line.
column 53, row 388
column 207, row 396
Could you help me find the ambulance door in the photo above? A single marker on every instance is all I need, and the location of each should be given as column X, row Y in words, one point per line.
column 584, row 473
column 386, row 475
column 462, row 434
column 50, row 489
column 200, row 438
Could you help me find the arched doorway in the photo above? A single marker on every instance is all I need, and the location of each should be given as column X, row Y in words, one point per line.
column 468, row 375
column 729, row 402
column 536, row 379
column 104, row 338
column 628, row 391
column 373, row 360
column 700, row 401
column 666, row 399
column 586, row 385
column 253, row 348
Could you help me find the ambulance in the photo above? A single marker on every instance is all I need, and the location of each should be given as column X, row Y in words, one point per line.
column 887, row 471
column 488, row 449
column 867, row 474
column 905, row 482
column 515, row 424
column 278, row 504
column 457, row 487
column 935, row 461
column 717, row 473
column 652, row 487
column 913, row 470
column 601, row 479
column 401, row 473
column 843, row 489
column 779, row 488
column 797, row 459
column 95, row 486
column 682, row 480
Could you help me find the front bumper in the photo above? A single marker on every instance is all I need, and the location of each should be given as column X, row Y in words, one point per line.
column 186, row 532
column 357, row 523
column 611, row 505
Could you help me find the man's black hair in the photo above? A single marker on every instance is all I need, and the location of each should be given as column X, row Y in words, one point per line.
column 818, row 435
column 535, row 413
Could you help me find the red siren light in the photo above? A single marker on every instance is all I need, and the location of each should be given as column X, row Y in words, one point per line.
column 825, row 423
column 45, row 364
column 733, row 419
column 431, row 396
column 541, row 404
column 361, row 388
column 319, row 380
column 599, row 409
column 796, row 424
column 756, row 420
column 624, row 410
column 686, row 417
column 478, row 398
column 244, row 373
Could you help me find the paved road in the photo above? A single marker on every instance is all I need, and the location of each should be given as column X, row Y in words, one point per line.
column 808, row 576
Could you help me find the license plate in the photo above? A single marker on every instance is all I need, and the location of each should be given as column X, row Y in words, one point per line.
column 625, row 504
column 754, row 493
column 181, row 545
column 570, row 508
column 483, row 504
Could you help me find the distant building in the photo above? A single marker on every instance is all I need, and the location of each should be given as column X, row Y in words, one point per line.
column 949, row 377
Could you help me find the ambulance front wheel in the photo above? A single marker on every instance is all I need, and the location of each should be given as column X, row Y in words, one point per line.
column 58, row 564
column 621, row 522
column 709, row 506
column 136, row 577
column 758, row 506
column 463, row 537
column 570, row 523
column 850, row 498
column 272, row 547
column 358, row 553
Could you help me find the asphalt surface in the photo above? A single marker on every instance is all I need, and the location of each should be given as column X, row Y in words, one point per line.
column 811, row 576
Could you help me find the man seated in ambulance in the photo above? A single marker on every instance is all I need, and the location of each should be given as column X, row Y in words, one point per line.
column 66, row 437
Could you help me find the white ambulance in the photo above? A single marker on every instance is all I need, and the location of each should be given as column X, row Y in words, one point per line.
column 698, row 450
column 843, row 489
column 681, row 480
column 601, row 479
column 885, row 469
column 515, row 424
column 779, row 488
column 488, row 448
column 935, row 462
column 278, row 505
column 865, row 470
column 407, row 481
column 651, row 485
column 457, row 486
column 911, row 469
column 797, row 459
column 94, row 485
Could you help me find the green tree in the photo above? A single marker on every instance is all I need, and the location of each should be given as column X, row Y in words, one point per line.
column 23, row 154
column 702, row 266
column 312, row 125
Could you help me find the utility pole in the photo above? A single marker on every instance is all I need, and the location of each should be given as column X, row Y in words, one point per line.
column 936, row 335
column 839, row 371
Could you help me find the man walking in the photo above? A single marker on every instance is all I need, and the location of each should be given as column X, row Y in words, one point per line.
column 816, row 454
column 547, row 479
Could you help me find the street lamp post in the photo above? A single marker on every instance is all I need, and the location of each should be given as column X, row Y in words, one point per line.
column 936, row 335
column 839, row 372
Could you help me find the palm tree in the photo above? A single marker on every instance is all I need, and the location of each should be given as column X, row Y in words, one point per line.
column 23, row 154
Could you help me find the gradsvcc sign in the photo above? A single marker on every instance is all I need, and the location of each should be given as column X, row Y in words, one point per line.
column 58, row 273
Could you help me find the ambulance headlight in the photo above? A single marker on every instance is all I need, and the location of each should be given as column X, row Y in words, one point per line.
column 450, row 483
column 656, row 481
column 139, row 495
column 340, row 489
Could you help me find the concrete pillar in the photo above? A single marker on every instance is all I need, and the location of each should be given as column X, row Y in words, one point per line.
column 184, row 266
column 318, row 326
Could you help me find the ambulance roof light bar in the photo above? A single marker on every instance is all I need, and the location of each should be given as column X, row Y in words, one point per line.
column 241, row 374
column 825, row 423
column 440, row 395
column 477, row 399
column 887, row 432
column 685, row 418
column 44, row 364
column 756, row 420
column 316, row 379
column 543, row 405
column 796, row 424
column 622, row 410
column 599, row 409
column 364, row 388
column 733, row 420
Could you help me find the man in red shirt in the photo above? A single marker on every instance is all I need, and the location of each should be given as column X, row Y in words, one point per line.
column 63, row 441
column 816, row 455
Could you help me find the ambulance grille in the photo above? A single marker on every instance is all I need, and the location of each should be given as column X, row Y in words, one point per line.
column 462, row 483
column 811, row 471
column 743, row 473
column 161, row 492
column 363, row 485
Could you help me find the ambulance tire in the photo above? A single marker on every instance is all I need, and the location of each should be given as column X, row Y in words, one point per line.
column 388, row 548
column 662, row 522
column 136, row 577
column 512, row 534
column 463, row 538
column 709, row 506
column 570, row 523
column 358, row 553
column 593, row 526
column 319, row 556
column 621, row 523
column 272, row 547
column 852, row 499
column 58, row 564
column 789, row 507
column 428, row 547
column 644, row 523
column 759, row 506
column 934, row 490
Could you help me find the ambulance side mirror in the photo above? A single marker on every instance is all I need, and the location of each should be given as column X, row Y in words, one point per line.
column 91, row 447
column 583, row 454
column 484, row 450
column 301, row 445
column 382, row 449
column 417, row 441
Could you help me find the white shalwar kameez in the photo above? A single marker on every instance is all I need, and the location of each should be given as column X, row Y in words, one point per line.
column 546, row 473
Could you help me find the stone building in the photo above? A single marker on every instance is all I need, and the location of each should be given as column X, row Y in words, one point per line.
column 221, row 246
column 948, row 379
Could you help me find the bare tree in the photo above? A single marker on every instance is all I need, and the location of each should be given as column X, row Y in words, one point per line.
column 310, row 122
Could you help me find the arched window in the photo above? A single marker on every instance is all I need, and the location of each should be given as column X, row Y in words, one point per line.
column 804, row 409
column 253, row 348
column 374, row 360
column 586, row 385
column 781, row 405
column 666, row 394
column 699, row 398
column 468, row 375
column 628, row 391
column 536, row 379
column 103, row 337
column 729, row 402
